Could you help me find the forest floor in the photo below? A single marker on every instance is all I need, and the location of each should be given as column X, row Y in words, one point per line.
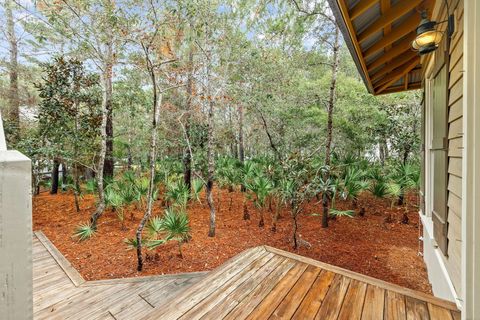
column 370, row 245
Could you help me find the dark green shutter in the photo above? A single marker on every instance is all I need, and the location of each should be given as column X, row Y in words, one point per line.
column 439, row 154
column 422, row 157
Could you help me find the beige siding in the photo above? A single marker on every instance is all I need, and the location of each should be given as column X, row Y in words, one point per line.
column 455, row 137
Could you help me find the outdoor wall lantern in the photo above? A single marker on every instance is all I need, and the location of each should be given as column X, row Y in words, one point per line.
column 428, row 38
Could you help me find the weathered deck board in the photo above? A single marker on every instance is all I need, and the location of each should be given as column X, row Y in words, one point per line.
column 59, row 291
column 252, row 286
column 259, row 283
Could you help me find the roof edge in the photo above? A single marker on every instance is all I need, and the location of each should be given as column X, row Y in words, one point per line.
column 340, row 19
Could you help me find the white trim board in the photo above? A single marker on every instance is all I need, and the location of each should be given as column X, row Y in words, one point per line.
column 442, row 285
column 471, row 163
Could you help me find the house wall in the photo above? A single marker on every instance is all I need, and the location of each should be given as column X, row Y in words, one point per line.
column 445, row 270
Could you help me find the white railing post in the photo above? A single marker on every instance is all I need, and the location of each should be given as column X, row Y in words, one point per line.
column 3, row 144
column 15, row 234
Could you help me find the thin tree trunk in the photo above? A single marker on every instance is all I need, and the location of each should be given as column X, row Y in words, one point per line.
column 108, row 165
column 270, row 139
column 157, row 102
column 13, row 97
column 211, row 170
column 56, row 165
column 153, row 152
column 107, row 94
column 295, row 226
column 187, row 158
column 241, row 146
column 331, row 104
column 76, row 179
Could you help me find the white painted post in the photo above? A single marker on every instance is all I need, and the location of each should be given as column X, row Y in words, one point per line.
column 15, row 234
column 471, row 163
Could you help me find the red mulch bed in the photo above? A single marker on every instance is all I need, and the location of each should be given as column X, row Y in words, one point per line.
column 368, row 245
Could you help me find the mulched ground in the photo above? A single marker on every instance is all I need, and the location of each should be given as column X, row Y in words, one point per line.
column 370, row 245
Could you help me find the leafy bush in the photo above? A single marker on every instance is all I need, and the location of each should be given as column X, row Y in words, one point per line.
column 84, row 231
column 378, row 183
column 173, row 226
column 342, row 213
column 177, row 194
column 354, row 183
column 91, row 186
column 197, row 187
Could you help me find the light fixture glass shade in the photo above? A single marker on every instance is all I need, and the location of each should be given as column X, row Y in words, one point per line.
column 427, row 39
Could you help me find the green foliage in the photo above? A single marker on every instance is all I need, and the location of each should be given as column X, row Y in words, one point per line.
column 177, row 194
column 91, row 186
column 354, row 183
column 175, row 226
column 342, row 213
column 228, row 173
column 261, row 187
column 84, row 231
column 378, row 181
column 155, row 227
column 172, row 226
column 197, row 187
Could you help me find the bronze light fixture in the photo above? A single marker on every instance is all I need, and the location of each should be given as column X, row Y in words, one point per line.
column 428, row 38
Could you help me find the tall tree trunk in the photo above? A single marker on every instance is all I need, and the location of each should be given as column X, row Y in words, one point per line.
column 106, row 100
column 108, row 165
column 153, row 152
column 157, row 103
column 331, row 105
column 13, row 97
column 56, row 165
column 187, row 157
column 76, row 179
column 211, row 170
column 241, row 145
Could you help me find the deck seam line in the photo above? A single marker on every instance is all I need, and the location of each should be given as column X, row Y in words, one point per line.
column 252, row 262
column 291, row 288
column 367, row 279
column 256, row 286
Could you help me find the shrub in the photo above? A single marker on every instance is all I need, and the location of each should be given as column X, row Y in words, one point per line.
column 84, row 231
column 174, row 225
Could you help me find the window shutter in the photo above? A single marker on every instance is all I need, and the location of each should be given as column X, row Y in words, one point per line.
column 422, row 156
column 439, row 154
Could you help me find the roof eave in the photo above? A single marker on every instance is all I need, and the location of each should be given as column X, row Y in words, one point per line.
column 334, row 6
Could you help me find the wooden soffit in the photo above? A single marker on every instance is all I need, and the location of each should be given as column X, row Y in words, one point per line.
column 379, row 34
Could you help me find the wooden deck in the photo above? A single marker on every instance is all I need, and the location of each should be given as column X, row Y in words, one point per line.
column 260, row 283
column 267, row 283
column 60, row 292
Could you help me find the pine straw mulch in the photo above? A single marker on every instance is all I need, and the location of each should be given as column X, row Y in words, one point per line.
column 371, row 245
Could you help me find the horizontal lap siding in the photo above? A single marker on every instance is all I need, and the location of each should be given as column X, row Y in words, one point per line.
column 455, row 151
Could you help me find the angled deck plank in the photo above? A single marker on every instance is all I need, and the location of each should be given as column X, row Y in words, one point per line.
column 275, row 297
column 373, row 306
column 228, row 287
column 256, row 296
column 394, row 306
column 223, row 308
column 330, row 307
column 314, row 298
column 352, row 306
column 437, row 313
column 290, row 303
column 416, row 309
column 193, row 295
